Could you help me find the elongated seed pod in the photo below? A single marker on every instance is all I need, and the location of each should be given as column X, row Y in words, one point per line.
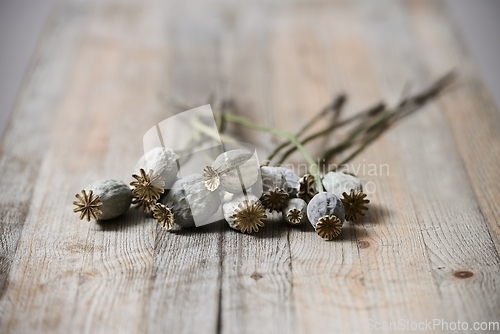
column 244, row 213
column 338, row 182
column 295, row 213
column 292, row 180
column 103, row 199
column 236, row 169
column 163, row 162
column 272, row 178
column 191, row 202
column 324, row 204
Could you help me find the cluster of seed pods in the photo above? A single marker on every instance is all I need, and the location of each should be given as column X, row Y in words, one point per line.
column 247, row 193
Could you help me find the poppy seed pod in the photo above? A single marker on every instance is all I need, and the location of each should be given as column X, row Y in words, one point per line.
column 232, row 171
column 104, row 199
column 272, row 178
column 244, row 213
column 324, row 204
column 161, row 161
column 339, row 182
column 292, row 179
column 190, row 201
column 326, row 214
column 295, row 213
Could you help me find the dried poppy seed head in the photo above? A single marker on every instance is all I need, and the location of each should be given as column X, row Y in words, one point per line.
column 271, row 178
column 249, row 216
column 354, row 204
column 142, row 204
column 163, row 162
column 324, row 204
column 307, row 187
column 328, row 227
column 191, row 202
column 295, row 212
column 275, row 200
column 103, row 199
column 280, row 177
column 88, row 205
column 163, row 216
column 210, row 178
column 147, row 186
column 340, row 182
column 294, row 216
column 237, row 169
column 230, row 207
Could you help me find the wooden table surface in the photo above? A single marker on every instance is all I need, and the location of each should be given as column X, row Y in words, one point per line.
column 428, row 249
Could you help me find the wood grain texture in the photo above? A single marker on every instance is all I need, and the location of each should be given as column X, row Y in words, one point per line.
column 428, row 248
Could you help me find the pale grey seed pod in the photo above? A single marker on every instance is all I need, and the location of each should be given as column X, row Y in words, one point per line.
column 292, row 180
column 245, row 213
column 191, row 202
column 114, row 197
column 272, row 178
column 230, row 165
column 325, row 204
column 163, row 162
column 229, row 208
column 338, row 182
column 295, row 213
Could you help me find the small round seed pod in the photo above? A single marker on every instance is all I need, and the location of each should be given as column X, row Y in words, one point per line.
column 272, row 178
column 291, row 179
column 307, row 187
column 190, row 201
column 161, row 161
column 326, row 214
column 275, row 200
column 163, row 216
column 147, row 189
column 227, row 169
column 102, row 200
column 339, row 182
column 295, row 213
column 244, row 213
column 328, row 227
column 354, row 204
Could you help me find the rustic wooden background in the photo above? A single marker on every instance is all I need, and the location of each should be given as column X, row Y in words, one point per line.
column 429, row 248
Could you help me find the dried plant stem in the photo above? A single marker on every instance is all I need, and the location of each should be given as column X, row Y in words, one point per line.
column 371, row 123
column 335, row 105
column 313, row 167
column 370, row 112
column 371, row 137
column 203, row 133
column 375, row 128
column 210, row 132
column 354, row 134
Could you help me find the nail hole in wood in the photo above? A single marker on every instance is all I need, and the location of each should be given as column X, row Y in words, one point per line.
column 363, row 244
column 463, row 274
column 256, row 276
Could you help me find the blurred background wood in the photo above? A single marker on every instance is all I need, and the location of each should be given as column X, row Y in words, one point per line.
column 429, row 248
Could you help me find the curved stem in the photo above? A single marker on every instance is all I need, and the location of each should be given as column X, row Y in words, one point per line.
column 372, row 111
column 335, row 105
column 313, row 167
column 210, row 132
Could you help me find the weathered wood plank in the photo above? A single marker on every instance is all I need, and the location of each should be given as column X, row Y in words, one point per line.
column 327, row 280
column 256, row 285
column 448, row 230
column 121, row 276
column 24, row 155
column 471, row 113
